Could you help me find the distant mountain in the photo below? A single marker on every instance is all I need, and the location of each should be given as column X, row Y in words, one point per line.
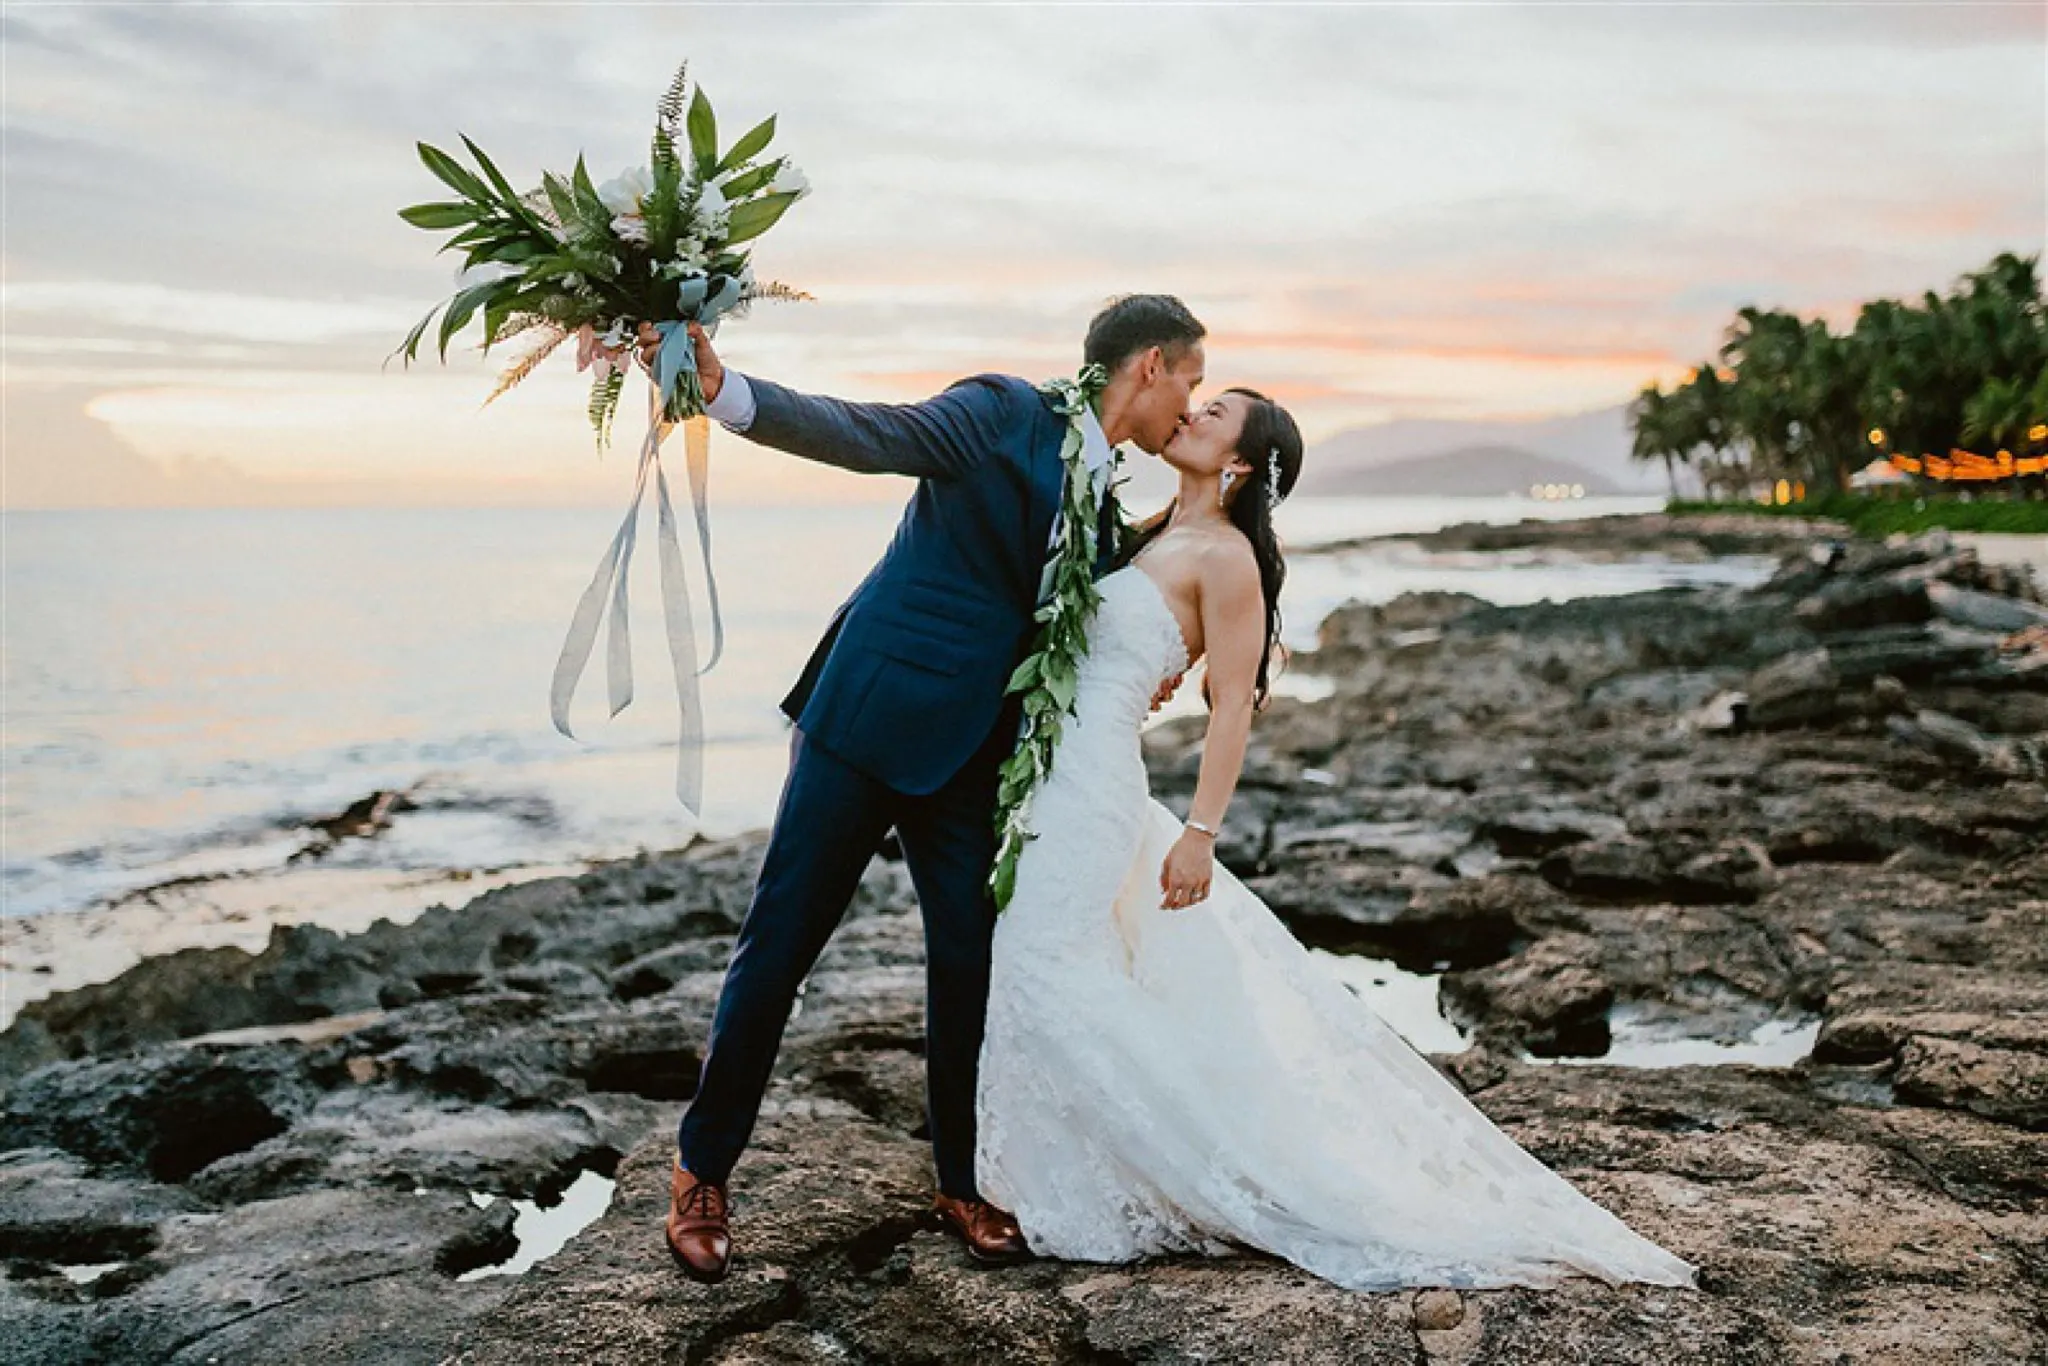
column 1592, row 447
column 1463, row 471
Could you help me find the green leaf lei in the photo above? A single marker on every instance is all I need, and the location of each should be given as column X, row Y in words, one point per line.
column 1047, row 676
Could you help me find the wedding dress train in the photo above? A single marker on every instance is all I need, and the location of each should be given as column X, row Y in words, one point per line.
column 1158, row 1081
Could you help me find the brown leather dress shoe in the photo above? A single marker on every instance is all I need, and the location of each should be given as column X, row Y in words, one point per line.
column 991, row 1234
column 697, row 1233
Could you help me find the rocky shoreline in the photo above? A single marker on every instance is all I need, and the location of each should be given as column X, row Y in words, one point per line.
column 1819, row 800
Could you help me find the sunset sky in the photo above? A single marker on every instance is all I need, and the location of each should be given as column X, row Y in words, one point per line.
column 1442, row 211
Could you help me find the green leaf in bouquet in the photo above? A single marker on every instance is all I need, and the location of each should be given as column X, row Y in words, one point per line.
column 597, row 219
column 586, row 195
column 495, row 314
column 410, row 347
column 661, row 210
column 452, row 174
column 512, row 206
column 750, row 146
column 746, row 182
column 435, row 217
column 756, row 216
column 490, row 170
column 561, row 198
column 703, row 125
column 491, row 241
column 462, row 308
column 552, row 267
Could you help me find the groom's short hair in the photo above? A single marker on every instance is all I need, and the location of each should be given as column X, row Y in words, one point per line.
column 1136, row 322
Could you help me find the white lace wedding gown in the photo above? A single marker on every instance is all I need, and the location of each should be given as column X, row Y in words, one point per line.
column 1158, row 1081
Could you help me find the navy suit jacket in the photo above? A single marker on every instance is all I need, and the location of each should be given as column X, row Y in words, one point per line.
column 908, row 682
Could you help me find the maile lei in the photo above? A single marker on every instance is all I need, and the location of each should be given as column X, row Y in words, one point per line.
column 1047, row 675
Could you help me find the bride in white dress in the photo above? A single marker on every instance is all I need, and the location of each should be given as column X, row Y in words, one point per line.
column 1165, row 1068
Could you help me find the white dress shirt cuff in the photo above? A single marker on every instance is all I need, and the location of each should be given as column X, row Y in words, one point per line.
column 734, row 406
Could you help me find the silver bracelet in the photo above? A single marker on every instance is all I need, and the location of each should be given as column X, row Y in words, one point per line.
column 1208, row 830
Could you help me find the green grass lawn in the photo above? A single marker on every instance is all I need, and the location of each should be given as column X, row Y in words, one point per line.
column 1880, row 517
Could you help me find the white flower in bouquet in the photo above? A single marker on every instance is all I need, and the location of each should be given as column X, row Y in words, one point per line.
column 623, row 192
column 789, row 180
column 631, row 228
column 692, row 258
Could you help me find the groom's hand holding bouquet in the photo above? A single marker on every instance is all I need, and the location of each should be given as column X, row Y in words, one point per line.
column 710, row 370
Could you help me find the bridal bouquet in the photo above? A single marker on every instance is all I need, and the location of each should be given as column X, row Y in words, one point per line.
column 667, row 244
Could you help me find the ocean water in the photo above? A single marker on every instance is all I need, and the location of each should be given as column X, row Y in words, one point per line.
column 181, row 689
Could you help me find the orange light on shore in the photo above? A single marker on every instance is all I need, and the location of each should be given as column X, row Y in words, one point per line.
column 1968, row 466
column 1782, row 492
column 1877, row 436
column 2038, row 432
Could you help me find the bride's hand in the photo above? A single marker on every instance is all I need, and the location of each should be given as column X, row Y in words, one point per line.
column 1184, row 877
column 1167, row 690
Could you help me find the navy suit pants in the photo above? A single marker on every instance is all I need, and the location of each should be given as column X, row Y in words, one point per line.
column 831, row 820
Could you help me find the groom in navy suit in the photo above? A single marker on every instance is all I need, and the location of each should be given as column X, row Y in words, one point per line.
column 902, row 723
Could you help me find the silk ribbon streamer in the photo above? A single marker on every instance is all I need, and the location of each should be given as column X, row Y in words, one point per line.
column 609, row 584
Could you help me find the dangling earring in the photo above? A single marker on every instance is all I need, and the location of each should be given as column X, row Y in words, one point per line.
column 1223, row 489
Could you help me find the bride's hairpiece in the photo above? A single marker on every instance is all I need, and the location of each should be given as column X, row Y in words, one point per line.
column 1273, row 476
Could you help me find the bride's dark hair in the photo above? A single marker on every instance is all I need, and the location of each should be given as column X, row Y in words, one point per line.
column 1271, row 444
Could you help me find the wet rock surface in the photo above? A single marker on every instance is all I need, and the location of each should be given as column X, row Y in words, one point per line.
column 273, row 1157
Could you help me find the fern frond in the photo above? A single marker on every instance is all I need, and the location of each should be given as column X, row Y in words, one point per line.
column 525, row 365
column 669, row 113
column 604, row 401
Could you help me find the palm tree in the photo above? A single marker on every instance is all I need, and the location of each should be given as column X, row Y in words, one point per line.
column 1766, row 410
column 1827, row 382
column 1797, row 401
column 1649, row 417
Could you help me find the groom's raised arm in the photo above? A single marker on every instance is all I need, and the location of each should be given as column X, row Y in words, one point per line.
column 940, row 438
